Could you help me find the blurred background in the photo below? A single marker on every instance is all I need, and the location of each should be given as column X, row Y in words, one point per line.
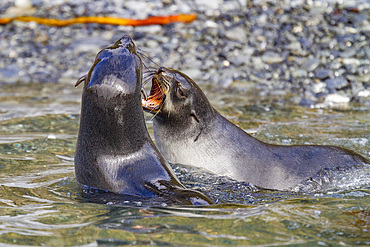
column 317, row 50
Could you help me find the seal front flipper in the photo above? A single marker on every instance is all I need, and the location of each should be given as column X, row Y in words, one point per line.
column 180, row 195
column 189, row 131
column 114, row 151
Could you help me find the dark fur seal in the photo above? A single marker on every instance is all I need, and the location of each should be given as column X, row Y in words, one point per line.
column 114, row 151
column 188, row 130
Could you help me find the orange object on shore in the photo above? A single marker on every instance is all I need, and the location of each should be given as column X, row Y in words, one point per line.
column 153, row 20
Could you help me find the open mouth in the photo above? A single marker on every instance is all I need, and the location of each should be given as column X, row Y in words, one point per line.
column 154, row 101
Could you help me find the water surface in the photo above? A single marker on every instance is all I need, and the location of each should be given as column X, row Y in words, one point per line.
column 41, row 203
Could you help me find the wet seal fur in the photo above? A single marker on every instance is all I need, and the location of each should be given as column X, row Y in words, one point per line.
column 189, row 131
column 114, row 151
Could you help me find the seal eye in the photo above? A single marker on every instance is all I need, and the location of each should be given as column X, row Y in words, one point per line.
column 180, row 92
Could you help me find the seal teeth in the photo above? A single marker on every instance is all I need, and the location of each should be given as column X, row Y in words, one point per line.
column 155, row 99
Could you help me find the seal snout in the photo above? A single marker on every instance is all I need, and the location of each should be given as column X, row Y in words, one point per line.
column 161, row 70
column 126, row 42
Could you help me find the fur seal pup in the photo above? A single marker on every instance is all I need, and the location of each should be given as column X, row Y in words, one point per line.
column 114, row 151
column 189, row 131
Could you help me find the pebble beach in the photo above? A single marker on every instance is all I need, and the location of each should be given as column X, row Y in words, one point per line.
column 316, row 51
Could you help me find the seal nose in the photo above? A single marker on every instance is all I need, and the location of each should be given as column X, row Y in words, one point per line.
column 125, row 42
column 160, row 70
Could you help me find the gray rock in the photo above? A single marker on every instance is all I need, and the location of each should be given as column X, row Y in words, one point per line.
column 294, row 46
column 299, row 73
column 323, row 73
column 348, row 53
column 311, row 64
column 241, row 60
column 319, row 87
column 237, row 34
column 336, row 83
column 272, row 57
column 209, row 4
column 350, row 61
column 336, row 100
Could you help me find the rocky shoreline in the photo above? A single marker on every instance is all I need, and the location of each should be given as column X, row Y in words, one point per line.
column 318, row 51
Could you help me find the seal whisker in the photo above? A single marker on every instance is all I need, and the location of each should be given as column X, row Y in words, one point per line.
column 146, row 57
column 143, row 92
column 148, row 75
column 146, row 80
column 151, row 119
column 149, row 68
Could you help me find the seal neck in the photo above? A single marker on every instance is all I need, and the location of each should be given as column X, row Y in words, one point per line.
column 116, row 125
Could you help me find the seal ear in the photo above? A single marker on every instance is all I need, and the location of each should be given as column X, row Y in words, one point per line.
column 81, row 79
column 194, row 115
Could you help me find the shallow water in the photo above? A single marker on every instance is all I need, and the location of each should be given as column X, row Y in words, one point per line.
column 41, row 203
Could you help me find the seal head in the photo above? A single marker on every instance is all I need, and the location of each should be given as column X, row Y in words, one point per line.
column 114, row 151
column 179, row 105
column 189, row 131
